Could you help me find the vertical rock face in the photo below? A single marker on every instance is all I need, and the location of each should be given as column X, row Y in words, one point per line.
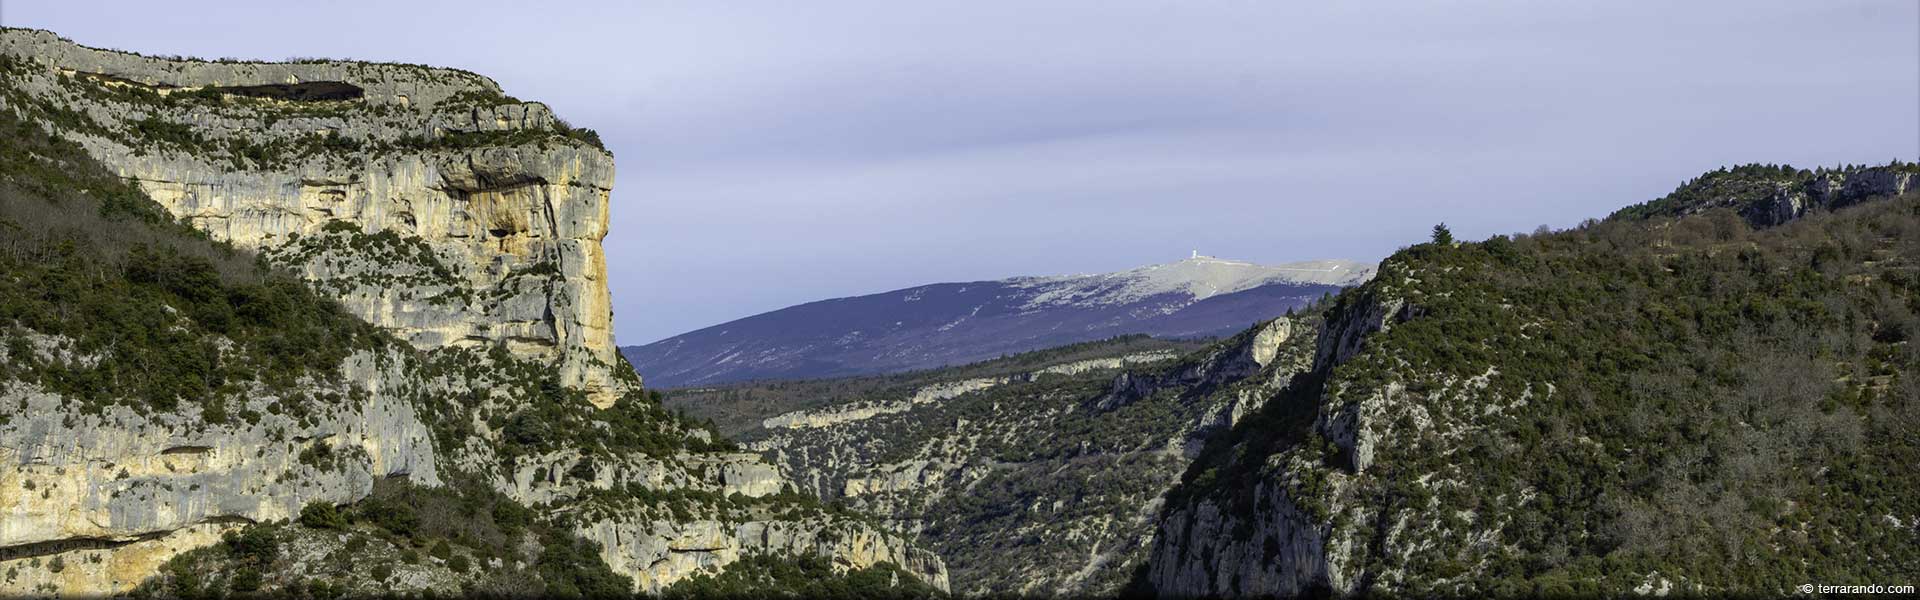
column 505, row 204
column 1267, row 532
column 1208, row 549
column 462, row 221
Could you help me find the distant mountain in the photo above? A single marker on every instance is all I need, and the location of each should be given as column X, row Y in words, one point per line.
column 954, row 323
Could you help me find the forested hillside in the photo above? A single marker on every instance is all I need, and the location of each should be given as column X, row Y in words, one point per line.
column 1680, row 398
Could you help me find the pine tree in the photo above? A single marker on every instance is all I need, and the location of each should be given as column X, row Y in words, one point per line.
column 1442, row 235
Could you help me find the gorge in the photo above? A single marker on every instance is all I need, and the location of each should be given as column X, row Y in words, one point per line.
column 330, row 328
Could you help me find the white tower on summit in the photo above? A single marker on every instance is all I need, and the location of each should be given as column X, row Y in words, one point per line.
column 1196, row 254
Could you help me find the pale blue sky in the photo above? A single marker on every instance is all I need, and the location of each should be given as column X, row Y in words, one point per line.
column 772, row 153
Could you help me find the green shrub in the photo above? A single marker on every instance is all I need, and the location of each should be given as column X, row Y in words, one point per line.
column 320, row 514
column 254, row 546
column 573, row 569
column 246, row 579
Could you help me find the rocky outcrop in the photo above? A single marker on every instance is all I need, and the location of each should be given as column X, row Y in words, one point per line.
column 856, row 411
column 1350, row 418
column 1271, row 534
column 1827, row 191
column 900, row 477
column 1236, row 361
column 558, row 477
column 99, row 565
column 659, row 553
column 801, row 419
column 1209, row 550
column 395, row 84
column 1098, row 364
column 265, row 174
column 1343, row 337
column 112, row 495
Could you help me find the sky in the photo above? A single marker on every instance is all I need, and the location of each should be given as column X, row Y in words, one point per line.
column 774, row 153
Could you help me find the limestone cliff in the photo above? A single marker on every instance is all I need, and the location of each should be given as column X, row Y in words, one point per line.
column 1271, row 535
column 113, row 495
column 462, row 222
column 489, row 188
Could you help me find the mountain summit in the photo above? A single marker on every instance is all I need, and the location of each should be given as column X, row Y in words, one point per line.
column 952, row 323
column 1198, row 278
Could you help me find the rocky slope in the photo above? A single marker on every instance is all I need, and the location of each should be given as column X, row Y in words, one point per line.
column 1769, row 195
column 1042, row 479
column 459, row 221
column 956, row 323
column 1669, row 401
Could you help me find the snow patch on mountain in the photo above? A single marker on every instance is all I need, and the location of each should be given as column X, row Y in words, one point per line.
column 1196, row 278
column 955, row 323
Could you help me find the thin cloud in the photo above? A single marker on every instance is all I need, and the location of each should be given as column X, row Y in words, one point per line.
column 772, row 153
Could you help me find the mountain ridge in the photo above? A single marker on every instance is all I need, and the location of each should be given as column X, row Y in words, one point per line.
column 952, row 323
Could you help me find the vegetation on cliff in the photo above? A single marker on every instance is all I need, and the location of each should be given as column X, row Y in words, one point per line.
column 105, row 300
column 461, row 539
column 763, row 577
column 293, row 130
column 467, row 540
column 1648, row 397
column 1741, row 188
column 1027, row 476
